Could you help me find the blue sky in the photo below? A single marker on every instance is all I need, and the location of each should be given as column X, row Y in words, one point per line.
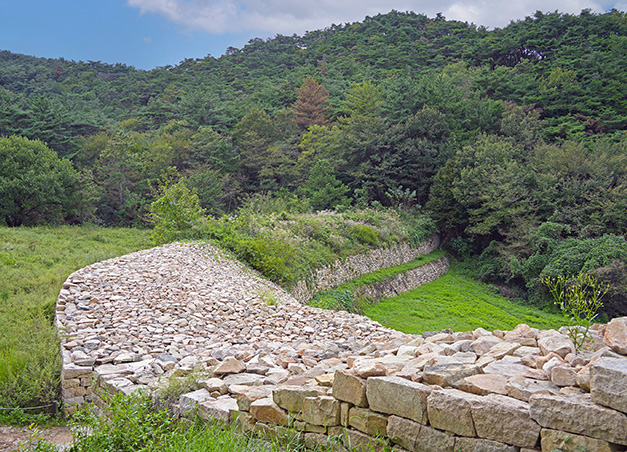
column 151, row 33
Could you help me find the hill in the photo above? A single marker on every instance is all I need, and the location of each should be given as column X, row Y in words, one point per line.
column 512, row 140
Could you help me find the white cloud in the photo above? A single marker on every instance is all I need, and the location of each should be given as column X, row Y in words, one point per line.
column 296, row 16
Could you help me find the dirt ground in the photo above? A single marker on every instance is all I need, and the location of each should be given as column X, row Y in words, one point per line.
column 12, row 438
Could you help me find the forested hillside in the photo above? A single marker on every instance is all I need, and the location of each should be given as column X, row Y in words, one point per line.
column 512, row 140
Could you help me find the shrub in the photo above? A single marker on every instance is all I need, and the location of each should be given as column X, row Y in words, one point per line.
column 579, row 299
column 175, row 213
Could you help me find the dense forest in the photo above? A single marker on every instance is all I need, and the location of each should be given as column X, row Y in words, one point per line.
column 512, row 141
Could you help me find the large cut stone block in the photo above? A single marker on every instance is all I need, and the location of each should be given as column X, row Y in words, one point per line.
column 291, row 397
column 433, row 440
column 578, row 414
column 447, row 374
column 367, row 421
column 504, row 419
column 223, row 409
column 73, row 371
column 322, row 410
column 395, row 395
column 568, row 442
column 449, row 410
column 349, row 388
column 265, row 410
column 608, row 383
column 403, row 431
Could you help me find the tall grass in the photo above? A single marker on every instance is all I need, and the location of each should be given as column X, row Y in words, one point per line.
column 34, row 263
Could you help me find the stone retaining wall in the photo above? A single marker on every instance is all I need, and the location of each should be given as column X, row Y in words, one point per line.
column 355, row 266
column 136, row 322
column 522, row 391
column 403, row 282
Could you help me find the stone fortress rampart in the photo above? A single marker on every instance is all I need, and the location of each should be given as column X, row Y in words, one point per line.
column 131, row 323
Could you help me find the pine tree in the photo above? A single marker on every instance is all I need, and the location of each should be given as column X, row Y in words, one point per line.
column 309, row 107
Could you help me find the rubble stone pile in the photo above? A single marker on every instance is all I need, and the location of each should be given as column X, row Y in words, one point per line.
column 333, row 377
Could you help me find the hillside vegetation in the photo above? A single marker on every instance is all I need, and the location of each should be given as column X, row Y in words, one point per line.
column 512, row 140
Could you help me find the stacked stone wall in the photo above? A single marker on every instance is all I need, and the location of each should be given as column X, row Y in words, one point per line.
column 523, row 390
column 353, row 267
column 403, row 282
column 133, row 323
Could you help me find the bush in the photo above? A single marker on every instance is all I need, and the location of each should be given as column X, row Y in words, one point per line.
column 175, row 213
column 36, row 186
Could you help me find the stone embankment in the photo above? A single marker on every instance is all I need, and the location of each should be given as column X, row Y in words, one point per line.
column 133, row 319
column 331, row 377
column 353, row 267
column 403, row 282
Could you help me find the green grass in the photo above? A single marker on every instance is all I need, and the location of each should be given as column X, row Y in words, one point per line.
column 34, row 263
column 341, row 296
column 132, row 423
column 456, row 302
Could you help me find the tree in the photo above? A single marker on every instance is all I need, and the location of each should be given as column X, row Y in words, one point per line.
column 253, row 135
column 324, row 190
column 176, row 212
column 309, row 107
column 35, row 184
column 363, row 99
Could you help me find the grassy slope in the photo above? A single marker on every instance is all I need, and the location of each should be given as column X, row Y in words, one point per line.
column 456, row 302
column 34, row 263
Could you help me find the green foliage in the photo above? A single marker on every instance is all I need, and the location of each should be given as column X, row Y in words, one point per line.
column 38, row 260
column 129, row 424
column 175, row 213
column 323, row 189
column 35, row 185
column 274, row 237
column 579, row 299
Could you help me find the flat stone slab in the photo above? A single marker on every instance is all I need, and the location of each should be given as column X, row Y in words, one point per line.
column 578, row 414
column 608, row 383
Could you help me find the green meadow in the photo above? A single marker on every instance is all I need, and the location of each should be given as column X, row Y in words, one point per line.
column 456, row 301
column 34, row 263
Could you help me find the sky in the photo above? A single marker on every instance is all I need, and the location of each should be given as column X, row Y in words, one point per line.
column 155, row 33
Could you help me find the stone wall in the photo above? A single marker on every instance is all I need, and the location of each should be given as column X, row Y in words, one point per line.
column 355, row 266
column 403, row 282
column 518, row 391
column 135, row 322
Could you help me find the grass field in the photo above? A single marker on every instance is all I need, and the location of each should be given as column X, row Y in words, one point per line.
column 457, row 302
column 34, row 263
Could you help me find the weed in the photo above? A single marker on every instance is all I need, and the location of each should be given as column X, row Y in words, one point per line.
column 268, row 296
column 579, row 298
